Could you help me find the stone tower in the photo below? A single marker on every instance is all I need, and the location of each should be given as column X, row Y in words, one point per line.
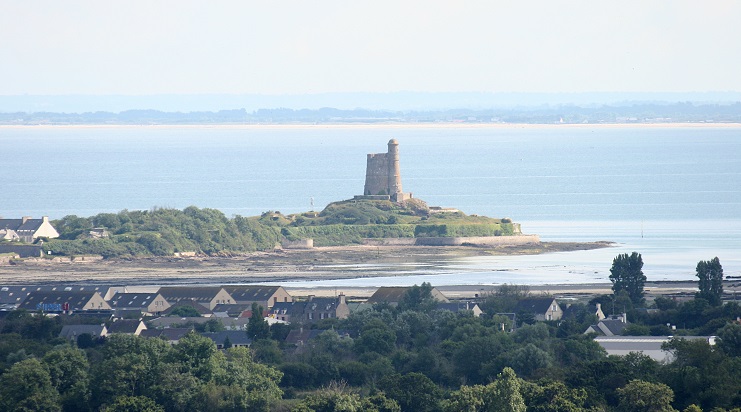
column 383, row 174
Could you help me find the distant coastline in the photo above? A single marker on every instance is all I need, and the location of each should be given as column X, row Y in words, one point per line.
column 379, row 125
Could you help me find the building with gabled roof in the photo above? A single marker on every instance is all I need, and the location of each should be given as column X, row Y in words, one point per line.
column 393, row 294
column 207, row 296
column 287, row 311
column 542, row 308
column 265, row 296
column 176, row 322
column 237, row 338
column 72, row 332
column 126, row 327
column 611, row 326
column 202, row 310
column 171, row 335
column 28, row 229
column 64, row 300
column 648, row 345
column 325, row 308
column 461, row 307
column 146, row 303
column 310, row 311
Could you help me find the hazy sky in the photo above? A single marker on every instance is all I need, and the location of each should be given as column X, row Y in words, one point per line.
column 295, row 47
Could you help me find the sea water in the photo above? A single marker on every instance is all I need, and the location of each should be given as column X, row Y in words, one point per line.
column 672, row 194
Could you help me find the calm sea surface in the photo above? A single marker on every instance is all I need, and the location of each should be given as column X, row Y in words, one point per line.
column 670, row 193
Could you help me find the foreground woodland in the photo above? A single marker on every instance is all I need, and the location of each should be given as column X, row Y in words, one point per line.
column 409, row 357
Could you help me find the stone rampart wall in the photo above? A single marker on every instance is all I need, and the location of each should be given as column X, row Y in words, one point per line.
column 456, row 241
column 298, row 244
column 23, row 251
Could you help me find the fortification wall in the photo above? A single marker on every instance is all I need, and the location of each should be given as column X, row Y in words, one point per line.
column 23, row 251
column 298, row 244
column 478, row 240
column 456, row 241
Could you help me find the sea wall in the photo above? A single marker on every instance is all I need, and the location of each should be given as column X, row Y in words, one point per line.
column 298, row 244
column 23, row 251
column 456, row 241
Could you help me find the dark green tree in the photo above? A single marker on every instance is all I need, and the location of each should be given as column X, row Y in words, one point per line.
column 413, row 391
column 27, row 386
column 710, row 275
column 418, row 298
column 257, row 328
column 641, row 396
column 626, row 274
column 68, row 368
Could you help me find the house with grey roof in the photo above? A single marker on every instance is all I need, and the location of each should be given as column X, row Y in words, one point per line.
column 647, row 345
column 171, row 335
column 287, row 311
column 392, row 295
column 542, row 308
column 611, row 326
column 461, row 307
column 72, row 332
column 265, row 296
column 9, row 235
column 234, row 310
column 145, row 303
column 176, row 322
column 28, row 229
column 236, row 338
column 63, row 301
column 206, row 296
column 126, row 327
column 12, row 296
column 325, row 308
column 310, row 311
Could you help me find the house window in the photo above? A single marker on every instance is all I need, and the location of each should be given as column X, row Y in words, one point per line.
column 555, row 308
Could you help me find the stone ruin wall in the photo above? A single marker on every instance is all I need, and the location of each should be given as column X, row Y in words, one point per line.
column 377, row 175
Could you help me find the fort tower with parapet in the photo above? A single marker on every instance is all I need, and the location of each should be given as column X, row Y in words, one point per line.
column 383, row 175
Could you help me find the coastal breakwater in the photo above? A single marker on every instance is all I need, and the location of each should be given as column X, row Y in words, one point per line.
column 488, row 241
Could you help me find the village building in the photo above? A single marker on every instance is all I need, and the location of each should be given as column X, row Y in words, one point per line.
column 126, row 327
column 461, row 307
column 647, row 345
column 64, row 301
column 265, row 296
column 234, row 338
column 393, row 295
column 171, row 335
column 27, row 229
column 611, row 326
column 72, row 332
column 310, row 311
column 542, row 308
column 150, row 304
column 206, row 296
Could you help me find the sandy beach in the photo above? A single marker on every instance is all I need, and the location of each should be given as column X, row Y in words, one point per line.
column 283, row 266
